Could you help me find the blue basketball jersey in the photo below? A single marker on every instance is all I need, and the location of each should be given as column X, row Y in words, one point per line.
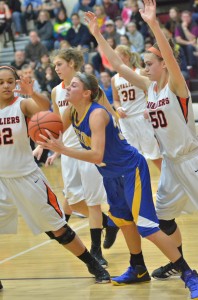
column 119, row 156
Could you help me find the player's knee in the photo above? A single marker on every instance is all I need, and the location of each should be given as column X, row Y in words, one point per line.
column 168, row 227
column 66, row 238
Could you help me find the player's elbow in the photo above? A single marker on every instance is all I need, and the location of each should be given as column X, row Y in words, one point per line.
column 98, row 159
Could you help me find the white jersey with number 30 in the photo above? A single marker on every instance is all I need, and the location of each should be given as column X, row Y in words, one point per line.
column 173, row 122
column 132, row 99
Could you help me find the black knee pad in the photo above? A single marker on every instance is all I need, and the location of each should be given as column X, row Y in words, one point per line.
column 50, row 234
column 67, row 237
column 168, row 227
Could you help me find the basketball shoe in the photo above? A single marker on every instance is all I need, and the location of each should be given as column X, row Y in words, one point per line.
column 97, row 254
column 101, row 275
column 165, row 272
column 110, row 236
column 191, row 281
column 1, row 286
column 132, row 275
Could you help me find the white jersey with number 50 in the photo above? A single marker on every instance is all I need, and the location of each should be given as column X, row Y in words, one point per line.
column 173, row 121
column 132, row 99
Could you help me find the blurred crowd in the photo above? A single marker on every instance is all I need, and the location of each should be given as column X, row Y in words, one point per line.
column 120, row 22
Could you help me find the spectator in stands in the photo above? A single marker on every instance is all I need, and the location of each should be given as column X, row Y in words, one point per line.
column 5, row 18
column 127, row 11
column 61, row 26
column 174, row 19
column 89, row 69
column 186, row 35
column 83, row 6
column 91, row 4
column 34, row 49
column 111, row 8
column 79, row 36
column 124, row 40
column 101, row 17
column 31, row 8
column 137, row 19
column 40, row 70
column 64, row 44
column 44, row 29
column 135, row 37
column 18, row 17
column 53, row 7
column 19, row 61
column 51, row 79
column 105, row 83
column 194, row 9
column 110, row 31
column 181, row 55
column 119, row 24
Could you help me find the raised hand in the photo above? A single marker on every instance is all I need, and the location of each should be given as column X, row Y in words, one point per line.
column 148, row 13
column 24, row 86
column 91, row 20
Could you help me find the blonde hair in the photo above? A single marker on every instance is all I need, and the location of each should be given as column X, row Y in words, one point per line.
column 135, row 60
column 68, row 55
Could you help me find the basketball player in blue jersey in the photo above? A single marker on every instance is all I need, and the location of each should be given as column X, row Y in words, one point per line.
column 23, row 187
column 125, row 175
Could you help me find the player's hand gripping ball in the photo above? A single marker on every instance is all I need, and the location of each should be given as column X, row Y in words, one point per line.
column 44, row 120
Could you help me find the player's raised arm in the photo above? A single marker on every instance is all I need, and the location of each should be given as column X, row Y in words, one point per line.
column 118, row 65
column 176, row 80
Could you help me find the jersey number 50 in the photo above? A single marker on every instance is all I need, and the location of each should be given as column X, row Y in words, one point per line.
column 158, row 119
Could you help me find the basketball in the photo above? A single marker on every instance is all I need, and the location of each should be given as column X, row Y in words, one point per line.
column 44, row 120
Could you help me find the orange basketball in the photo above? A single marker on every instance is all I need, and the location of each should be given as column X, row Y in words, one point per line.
column 44, row 120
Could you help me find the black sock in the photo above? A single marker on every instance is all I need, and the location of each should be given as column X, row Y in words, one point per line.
column 104, row 220
column 180, row 250
column 86, row 257
column 137, row 259
column 95, row 237
column 67, row 217
column 181, row 265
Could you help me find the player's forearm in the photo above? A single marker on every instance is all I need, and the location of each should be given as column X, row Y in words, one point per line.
column 41, row 100
column 85, row 155
column 112, row 57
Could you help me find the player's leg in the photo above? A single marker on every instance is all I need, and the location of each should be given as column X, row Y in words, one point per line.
column 171, row 200
column 95, row 195
column 43, row 213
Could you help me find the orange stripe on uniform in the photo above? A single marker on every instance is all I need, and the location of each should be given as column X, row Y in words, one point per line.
column 52, row 200
column 184, row 106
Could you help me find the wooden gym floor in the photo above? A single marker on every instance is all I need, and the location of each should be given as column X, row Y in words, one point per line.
column 34, row 267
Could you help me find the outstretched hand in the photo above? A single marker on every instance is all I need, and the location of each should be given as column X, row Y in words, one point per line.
column 91, row 20
column 50, row 143
column 148, row 13
column 24, row 86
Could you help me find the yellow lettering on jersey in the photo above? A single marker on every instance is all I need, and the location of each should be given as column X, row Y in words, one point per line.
column 102, row 164
column 84, row 139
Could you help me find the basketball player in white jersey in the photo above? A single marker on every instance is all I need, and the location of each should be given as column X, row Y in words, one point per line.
column 83, row 184
column 130, row 103
column 23, row 186
column 170, row 110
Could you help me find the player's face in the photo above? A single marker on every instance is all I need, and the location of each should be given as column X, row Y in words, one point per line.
column 7, row 84
column 61, row 67
column 74, row 92
column 153, row 66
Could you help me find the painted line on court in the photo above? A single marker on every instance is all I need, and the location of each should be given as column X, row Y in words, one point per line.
column 39, row 245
